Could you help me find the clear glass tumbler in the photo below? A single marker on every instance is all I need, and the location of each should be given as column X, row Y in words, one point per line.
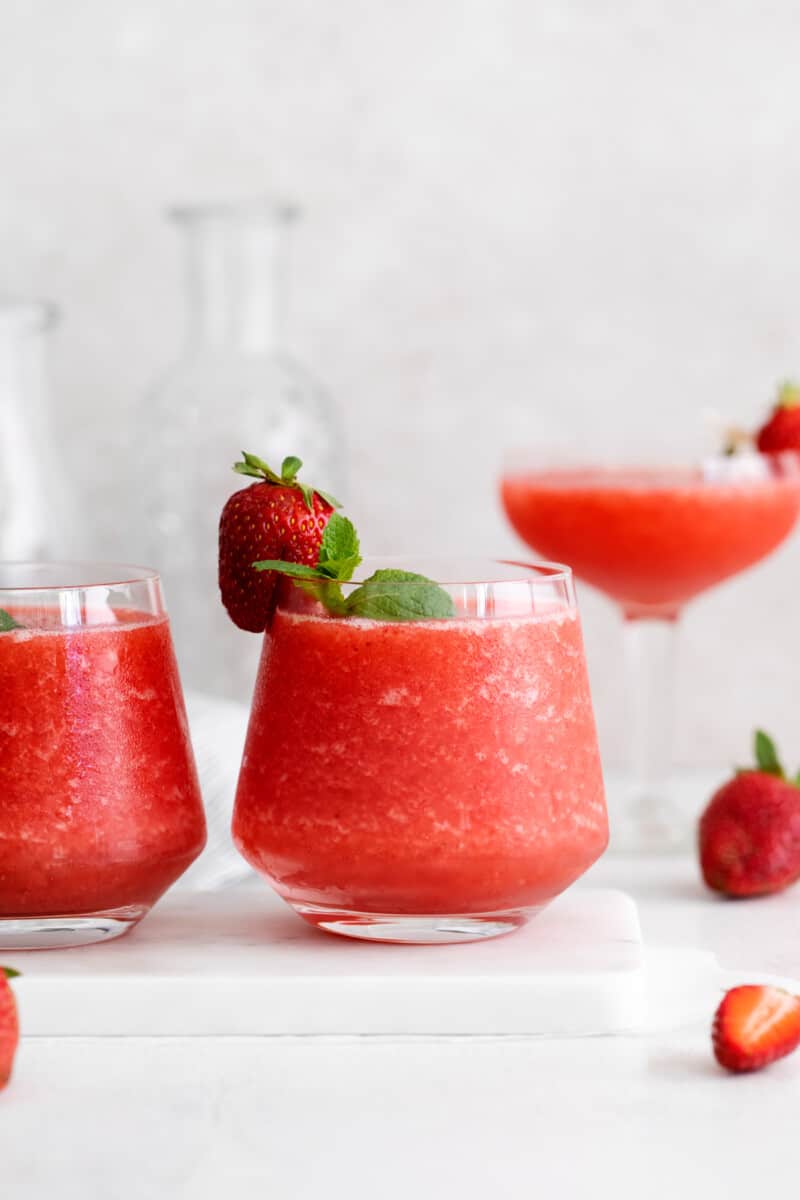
column 100, row 808
column 433, row 780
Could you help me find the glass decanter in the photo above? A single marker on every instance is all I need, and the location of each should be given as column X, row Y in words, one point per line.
column 36, row 504
column 233, row 387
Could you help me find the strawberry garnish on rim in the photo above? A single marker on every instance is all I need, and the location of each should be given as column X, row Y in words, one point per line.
column 755, row 1025
column 279, row 526
column 782, row 431
column 278, row 517
column 9, row 1025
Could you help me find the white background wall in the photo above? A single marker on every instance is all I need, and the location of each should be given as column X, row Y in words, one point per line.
column 523, row 220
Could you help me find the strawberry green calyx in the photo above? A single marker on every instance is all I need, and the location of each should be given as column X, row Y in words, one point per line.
column 388, row 595
column 256, row 468
column 788, row 395
column 9, row 972
column 7, row 622
column 767, row 759
column 766, row 755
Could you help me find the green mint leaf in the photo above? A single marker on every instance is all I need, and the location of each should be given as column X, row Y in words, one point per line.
column 327, row 592
column 290, row 467
column 339, row 551
column 391, row 595
column 10, row 973
column 7, row 622
column 296, row 570
column 340, row 568
column 766, row 755
column 328, row 498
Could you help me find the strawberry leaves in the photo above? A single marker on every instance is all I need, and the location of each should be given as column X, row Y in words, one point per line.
column 767, row 755
column 256, row 468
column 9, row 972
column 788, row 394
column 7, row 622
column 388, row 595
column 767, row 759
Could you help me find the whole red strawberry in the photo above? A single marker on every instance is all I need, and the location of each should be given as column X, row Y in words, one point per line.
column 9, row 1025
column 749, row 836
column 276, row 518
column 782, row 430
column 754, row 1025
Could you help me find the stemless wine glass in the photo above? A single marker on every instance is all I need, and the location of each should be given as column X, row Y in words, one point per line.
column 652, row 538
column 432, row 780
column 100, row 807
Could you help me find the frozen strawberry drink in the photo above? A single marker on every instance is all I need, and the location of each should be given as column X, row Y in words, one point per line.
column 100, row 809
column 425, row 779
column 654, row 538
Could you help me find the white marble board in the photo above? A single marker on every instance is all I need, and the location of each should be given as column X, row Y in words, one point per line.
column 238, row 962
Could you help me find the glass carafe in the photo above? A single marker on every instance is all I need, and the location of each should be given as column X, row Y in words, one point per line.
column 233, row 387
column 35, row 495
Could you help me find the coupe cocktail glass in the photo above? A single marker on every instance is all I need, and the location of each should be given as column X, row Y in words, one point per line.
column 100, row 809
column 652, row 539
column 430, row 780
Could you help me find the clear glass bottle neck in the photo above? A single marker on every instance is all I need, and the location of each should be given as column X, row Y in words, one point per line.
column 235, row 283
column 24, row 326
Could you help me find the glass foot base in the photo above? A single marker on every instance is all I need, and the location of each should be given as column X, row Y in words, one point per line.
column 654, row 823
column 634, row 833
column 414, row 930
column 60, row 932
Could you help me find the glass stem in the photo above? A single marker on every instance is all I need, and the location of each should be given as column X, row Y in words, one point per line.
column 650, row 653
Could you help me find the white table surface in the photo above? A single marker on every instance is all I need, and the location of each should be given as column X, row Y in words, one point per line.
column 121, row 1118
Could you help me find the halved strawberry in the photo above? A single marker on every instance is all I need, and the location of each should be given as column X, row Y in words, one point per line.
column 276, row 518
column 9, row 1025
column 754, row 1025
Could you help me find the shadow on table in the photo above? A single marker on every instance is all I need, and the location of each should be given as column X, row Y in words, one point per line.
column 684, row 1064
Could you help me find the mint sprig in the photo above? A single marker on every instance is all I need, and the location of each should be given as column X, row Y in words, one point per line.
column 7, row 622
column 388, row 595
column 391, row 595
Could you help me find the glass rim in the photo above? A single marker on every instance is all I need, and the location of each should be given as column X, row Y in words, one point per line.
column 92, row 574
column 713, row 467
column 480, row 571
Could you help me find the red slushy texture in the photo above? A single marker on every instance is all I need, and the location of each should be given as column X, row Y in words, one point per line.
column 650, row 538
column 421, row 767
column 99, row 802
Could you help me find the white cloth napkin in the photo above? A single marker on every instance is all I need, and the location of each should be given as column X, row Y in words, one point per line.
column 218, row 729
